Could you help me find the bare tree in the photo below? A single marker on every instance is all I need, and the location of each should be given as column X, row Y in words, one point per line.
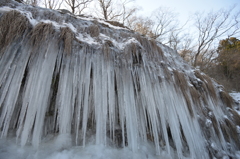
column 53, row 4
column 77, row 5
column 116, row 10
column 105, row 6
column 178, row 39
column 141, row 25
column 107, row 10
column 166, row 23
column 186, row 47
column 127, row 12
column 212, row 26
column 84, row 5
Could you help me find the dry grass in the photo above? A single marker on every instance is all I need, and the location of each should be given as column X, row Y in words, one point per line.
column 211, row 88
column 93, row 30
column 225, row 131
column 156, row 48
column 53, row 16
column 129, row 52
column 226, row 99
column 136, row 54
column 203, row 88
column 106, row 49
column 180, row 81
column 67, row 36
column 230, row 132
column 195, row 96
column 151, row 47
column 12, row 26
column 207, row 86
column 235, row 116
column 205, row 97
column 167, row 73
column 215, row 125
column 198, row 75
column 41, row 34
column 124, row 35
column 144, row 42
column 188, row 101
column 109, row 43
column 115, row 23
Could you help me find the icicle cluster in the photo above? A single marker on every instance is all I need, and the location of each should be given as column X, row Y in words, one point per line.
column 61, row 74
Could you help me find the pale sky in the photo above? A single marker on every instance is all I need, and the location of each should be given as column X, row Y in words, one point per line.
column 186, row 7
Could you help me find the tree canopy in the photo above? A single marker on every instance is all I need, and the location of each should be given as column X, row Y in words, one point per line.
column 229, row 55
column 226, row 68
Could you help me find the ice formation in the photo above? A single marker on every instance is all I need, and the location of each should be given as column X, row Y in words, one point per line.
column 80, row 81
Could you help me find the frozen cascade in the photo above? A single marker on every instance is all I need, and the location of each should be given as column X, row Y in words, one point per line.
column 80, row 86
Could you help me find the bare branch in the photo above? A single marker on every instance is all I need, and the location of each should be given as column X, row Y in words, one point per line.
column 166, row 23
column 116, row 10
column 77, row 6
column 212, row 26
column 53, row 4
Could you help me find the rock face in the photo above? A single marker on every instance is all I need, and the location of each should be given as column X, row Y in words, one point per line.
column 63, row 74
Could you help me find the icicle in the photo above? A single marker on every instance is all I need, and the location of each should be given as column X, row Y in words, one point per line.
column 86, row 86
column 36, row 94
column 114, row 89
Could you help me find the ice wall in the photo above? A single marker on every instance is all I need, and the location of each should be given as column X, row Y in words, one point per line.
column 82, row 77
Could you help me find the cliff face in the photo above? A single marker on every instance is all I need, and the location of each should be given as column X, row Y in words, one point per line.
column 83, row 77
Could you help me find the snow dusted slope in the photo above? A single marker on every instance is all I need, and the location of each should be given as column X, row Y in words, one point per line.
column 236, row 96
column 75, row 86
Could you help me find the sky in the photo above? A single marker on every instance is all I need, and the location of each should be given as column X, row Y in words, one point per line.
column 186, row 7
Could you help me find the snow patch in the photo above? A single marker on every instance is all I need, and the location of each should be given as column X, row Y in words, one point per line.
column 235, row 96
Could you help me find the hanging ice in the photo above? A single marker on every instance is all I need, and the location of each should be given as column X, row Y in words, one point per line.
column 79, row 78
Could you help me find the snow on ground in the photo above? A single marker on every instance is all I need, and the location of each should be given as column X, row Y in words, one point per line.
column 235, row 96
column 59, row 148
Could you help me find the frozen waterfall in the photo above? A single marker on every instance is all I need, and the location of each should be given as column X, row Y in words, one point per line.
column 80, row 85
